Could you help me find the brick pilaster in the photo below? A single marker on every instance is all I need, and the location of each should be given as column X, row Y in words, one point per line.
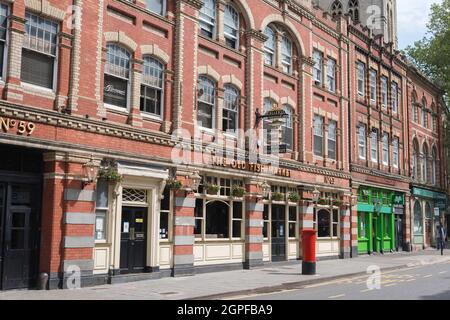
column 407, row 234
column 345, row 242
column 183, row 240
column 253, row 228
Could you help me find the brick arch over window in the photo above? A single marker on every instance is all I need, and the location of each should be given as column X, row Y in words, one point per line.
column 45, row 8
column 231, row 79
column 155, row 51
column 210, row 72
column 121, row 38
column 288, row 27
column 271, row 95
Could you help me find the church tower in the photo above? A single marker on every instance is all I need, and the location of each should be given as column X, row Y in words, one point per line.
column 378, row 15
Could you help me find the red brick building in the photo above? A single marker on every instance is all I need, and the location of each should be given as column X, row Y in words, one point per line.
column 163, row 99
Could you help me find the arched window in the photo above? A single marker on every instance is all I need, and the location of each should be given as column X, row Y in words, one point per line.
column 423, row 114
column 117, row 76
column 336, row 8
column 415, row 108
column 208, row 18
column 231, row 26
column 434, row 166
column 415, row 160
column 327, row 223
column 156, row 6
column 230, row 117
column 152, row 88
column 269, row 47
column 286, row 53
column 353, row 10
column 217, row 220
column 428, row 212
column 425, row 164
column 206, row 102
column 418, row 219
column 288, row 127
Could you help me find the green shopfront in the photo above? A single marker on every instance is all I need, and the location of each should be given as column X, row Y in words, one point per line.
column 378, row 210
column 428, row 208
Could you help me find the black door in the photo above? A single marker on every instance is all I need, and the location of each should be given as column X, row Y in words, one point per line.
column 20, row 236
column 278, row 233
column 398, row 233
column 133, row 244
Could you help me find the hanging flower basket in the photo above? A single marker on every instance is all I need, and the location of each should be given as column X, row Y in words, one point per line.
column 174, row 184
column 110, row 174
column 294, row 197
column 238, row 191
column 277, row 196
column 323, row 201
column 212, row 189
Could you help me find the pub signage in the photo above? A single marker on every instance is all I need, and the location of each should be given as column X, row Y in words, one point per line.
column 252, row 167
column 20, row 127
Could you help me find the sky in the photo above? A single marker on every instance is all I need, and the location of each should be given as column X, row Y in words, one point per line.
column 412, row 20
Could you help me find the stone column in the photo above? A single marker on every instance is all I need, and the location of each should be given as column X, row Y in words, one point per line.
column 135, row 118
column 64, row 67
column 253, row 226
column 278, row 59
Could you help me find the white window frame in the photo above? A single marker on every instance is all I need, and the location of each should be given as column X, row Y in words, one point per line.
column 270, row 51
column 362, row 142
column 373, row 85
column 225, row 106
column 6, row 43
column 318, row 132
column 55, row 56
column 332, row 123
column 236, row 27
column 361, row 78
column 318, row 66
column 331, row 75
column 163, row 7
column 394, row 90
column 211, row 21
column 395, row 152
column 374, row 146
column 288, row 125
column 286, row 53
column 384, row 91
column 145, row 113
column 213, row 105
column 385, row 149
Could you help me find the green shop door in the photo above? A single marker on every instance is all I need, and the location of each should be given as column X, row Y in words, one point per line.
column 376, row 234
column 364, row 238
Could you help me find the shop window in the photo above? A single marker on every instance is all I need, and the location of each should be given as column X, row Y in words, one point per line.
column 292, row 222
column 362, row 225
column 266, row 219
column 198, row 218
column 230, row 118
column 323, row 224
column 117, row 76
column 217, row 220
column 363, row 196
column 101, row 211
column 208, row 18
column 335, row 223
column 418, row 223
column 237, row 219
column 39, row 52
column 164, row 215
column 152, row 88
column 231, row 27
column 206, row 103
column 387, row 225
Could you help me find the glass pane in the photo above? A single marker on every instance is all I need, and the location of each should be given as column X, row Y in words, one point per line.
column 266, row 212
column 100, row 225
column 217, row 219
column 324, row 223
column 198, row 228
column 115, row 91
column 20, row 196
column 292, row 213
column 266, row 230
column 335, row 230
column 165, row 201
column 292, row 233
column 18, row 220
column 237, row 231
column 237, row 210
column 37, row 69
column 199, row 208
column 17, row 239
column 102, row 194
column 164, row 225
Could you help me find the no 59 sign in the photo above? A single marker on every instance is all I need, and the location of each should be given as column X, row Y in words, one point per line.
column 19, row 126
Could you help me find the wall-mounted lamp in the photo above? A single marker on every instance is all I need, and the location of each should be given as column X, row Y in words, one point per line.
column 276, row 114
column 316, row 195
column 90, row 172
column 265, row 189
column 195, row 180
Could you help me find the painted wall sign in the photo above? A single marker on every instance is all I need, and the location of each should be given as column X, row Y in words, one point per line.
column 20, row 127
column 253, row 167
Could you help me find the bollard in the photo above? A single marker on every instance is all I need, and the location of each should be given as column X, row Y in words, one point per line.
column 42, row 281
column 309, row 251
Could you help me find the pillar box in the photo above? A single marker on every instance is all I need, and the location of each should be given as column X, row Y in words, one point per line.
column 309, row 238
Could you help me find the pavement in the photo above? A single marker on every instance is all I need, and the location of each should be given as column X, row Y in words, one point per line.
column 220, row 285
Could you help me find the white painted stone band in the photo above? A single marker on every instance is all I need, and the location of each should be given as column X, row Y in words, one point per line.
column 84, row 265
column 185, row 202
column 254, row 206
column 79, row 218
column 184, row 240
column 78, row 242
column 79, row 195
column 254, row 255
column 184, row 221
column 255, row 223
column 308, row 224
column 254, row 239
column 346, row 224
column 183, row 259
column 347, row 237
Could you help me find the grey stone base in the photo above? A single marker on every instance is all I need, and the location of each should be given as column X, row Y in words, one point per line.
column 354, row 253
column 345, row 255
column 253, row 263
column 183, row 270
column 218, row 268
column 132, row 277
column 327, row 258
column 407, row 246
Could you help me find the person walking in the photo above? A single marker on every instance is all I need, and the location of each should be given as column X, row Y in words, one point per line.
column 441, row 235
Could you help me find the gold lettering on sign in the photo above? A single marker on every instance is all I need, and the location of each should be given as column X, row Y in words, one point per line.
column 329, row 180
column 20, row 127
column 252, row 167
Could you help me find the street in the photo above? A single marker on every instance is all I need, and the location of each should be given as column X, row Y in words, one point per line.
column 415, row 283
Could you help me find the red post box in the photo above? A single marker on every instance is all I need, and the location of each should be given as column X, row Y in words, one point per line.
column 309, row 237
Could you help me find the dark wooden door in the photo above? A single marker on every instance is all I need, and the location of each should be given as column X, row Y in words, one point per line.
column 20, row 241
column 278, row 233
column 133, row 246
column 428, row 232
column 399, row 233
